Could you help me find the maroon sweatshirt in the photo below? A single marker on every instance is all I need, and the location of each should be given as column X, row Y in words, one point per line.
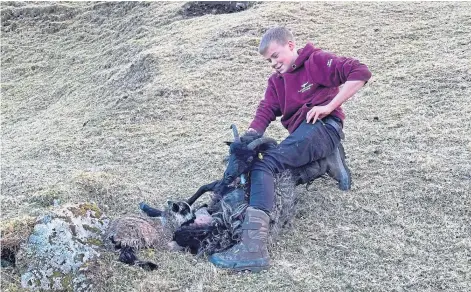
column 313, row 80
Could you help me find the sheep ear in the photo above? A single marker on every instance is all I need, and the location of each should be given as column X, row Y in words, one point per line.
column 266, row 147
column 173, row 206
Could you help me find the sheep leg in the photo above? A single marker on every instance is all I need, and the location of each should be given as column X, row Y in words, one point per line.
column 203, row 189
column 129, row 257
column 151, row 212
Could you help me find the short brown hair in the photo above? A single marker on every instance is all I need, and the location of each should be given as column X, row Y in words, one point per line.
column 279, row 34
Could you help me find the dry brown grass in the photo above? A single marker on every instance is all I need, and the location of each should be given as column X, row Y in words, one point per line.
column 120, row 103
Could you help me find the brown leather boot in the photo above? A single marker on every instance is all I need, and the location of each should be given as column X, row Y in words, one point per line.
column 337, row 168
column 252, row 252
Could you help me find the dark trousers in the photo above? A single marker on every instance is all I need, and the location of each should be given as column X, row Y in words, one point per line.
column 308, row 143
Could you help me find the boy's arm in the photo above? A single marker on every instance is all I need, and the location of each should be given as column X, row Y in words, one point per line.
column 330, row 70
column 267, row 111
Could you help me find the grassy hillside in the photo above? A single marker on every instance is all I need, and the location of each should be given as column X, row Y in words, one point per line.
column 124, row 102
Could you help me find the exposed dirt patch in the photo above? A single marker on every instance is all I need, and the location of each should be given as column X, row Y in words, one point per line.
column 198, row 8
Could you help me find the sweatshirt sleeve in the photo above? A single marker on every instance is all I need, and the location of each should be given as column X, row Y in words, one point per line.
column 330, row 70
column 267, row 111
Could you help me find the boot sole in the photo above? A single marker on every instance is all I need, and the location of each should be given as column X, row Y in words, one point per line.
column 255, row 269
column 239, row 267
column 251, row 269
column 345, row 182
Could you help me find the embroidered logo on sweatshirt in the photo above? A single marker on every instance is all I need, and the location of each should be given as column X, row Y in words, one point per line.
column 305, row 87
column 329, row 62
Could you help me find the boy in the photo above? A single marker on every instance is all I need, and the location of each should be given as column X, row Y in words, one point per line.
column 305, row 92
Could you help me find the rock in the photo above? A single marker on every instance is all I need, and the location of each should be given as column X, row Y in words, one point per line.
column 60, row 244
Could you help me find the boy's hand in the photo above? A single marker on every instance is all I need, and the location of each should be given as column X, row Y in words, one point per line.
column 251, row 132
column 318, row 112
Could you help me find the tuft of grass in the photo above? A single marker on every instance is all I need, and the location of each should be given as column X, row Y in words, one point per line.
column 15, row 231
column 46, row 198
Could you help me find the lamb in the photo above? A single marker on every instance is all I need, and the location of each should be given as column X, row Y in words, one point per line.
column 199, row 230
column 130, row 233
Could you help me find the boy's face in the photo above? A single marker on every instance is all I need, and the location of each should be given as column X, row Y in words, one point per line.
column 281, row 57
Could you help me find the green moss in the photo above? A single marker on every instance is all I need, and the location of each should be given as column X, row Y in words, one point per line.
column 45, row 198
column 84, row 208
column 56, row 274
column 94, row 241
column 91, row 229
column 64, row 279
column 149, row 252
column 66, row 282
column 253, row 42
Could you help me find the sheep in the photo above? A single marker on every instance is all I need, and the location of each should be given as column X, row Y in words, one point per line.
column 243, row 152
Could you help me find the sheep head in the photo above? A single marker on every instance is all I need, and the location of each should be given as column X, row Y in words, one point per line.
column 243, row 152
column 177, row 213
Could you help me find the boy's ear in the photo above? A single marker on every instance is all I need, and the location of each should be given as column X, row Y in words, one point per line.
column 291, row 45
